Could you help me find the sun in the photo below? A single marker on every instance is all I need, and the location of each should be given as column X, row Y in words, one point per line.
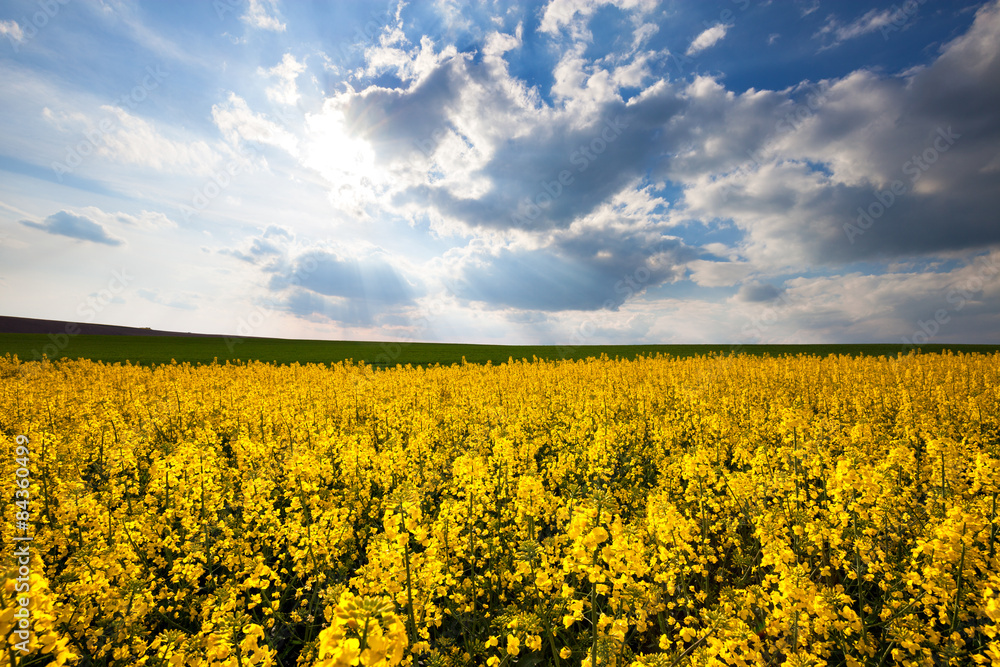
column 343, row 158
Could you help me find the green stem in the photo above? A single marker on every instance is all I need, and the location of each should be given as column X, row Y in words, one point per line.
column 412, row 630
column 993, row 525
column 958, row 592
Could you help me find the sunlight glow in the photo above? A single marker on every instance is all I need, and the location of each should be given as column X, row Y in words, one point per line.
column 344, row 159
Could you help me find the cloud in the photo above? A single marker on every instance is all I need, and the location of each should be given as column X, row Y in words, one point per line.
column 575, row 14
column 370, row 279
column 563, row 278
column 74, row 226
column 238, row 123
column 604, row 261
column 784, row 170
column 806, row 10
column 868, row 23
column 708, row 38
column 352, row 290
column 272, row 243
column 262, row 14
column 467, row 147
column 122, row 137
column 185, row 301
column 754, row 292
column 12, row 31
column 906, row 307
column 709, row 273
column 136, row 141
column 147, row 220
column 355, row 287
column 871, row 167
column 284, row 91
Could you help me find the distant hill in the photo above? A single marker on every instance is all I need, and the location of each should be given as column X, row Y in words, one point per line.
column 27, row 325
column 30, row 339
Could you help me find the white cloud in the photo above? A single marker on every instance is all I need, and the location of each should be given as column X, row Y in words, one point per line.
column 153, row 221
column 454, row 14
column 810, row 8
column 498, row 43
column 865, row 24
column 642, row 33
column 575, row 14
column 119, row 136
column 413, row 65
column 237, row 122
column 708, row 38
column 137, row 141
column 286, row 72
column 718, row 274
column 959, row 305
column 12, row 31
column 262, row 14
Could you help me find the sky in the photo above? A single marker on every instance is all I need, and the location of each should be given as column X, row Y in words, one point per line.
column 566, row 172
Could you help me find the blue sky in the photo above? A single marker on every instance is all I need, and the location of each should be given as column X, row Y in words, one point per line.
column 577, row 171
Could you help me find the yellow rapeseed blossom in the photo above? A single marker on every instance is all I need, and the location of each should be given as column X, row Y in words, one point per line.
column 713, row 510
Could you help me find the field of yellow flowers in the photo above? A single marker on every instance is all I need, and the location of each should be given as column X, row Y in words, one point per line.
column 705, row 511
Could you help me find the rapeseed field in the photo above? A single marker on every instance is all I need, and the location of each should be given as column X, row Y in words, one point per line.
column 715, row 510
